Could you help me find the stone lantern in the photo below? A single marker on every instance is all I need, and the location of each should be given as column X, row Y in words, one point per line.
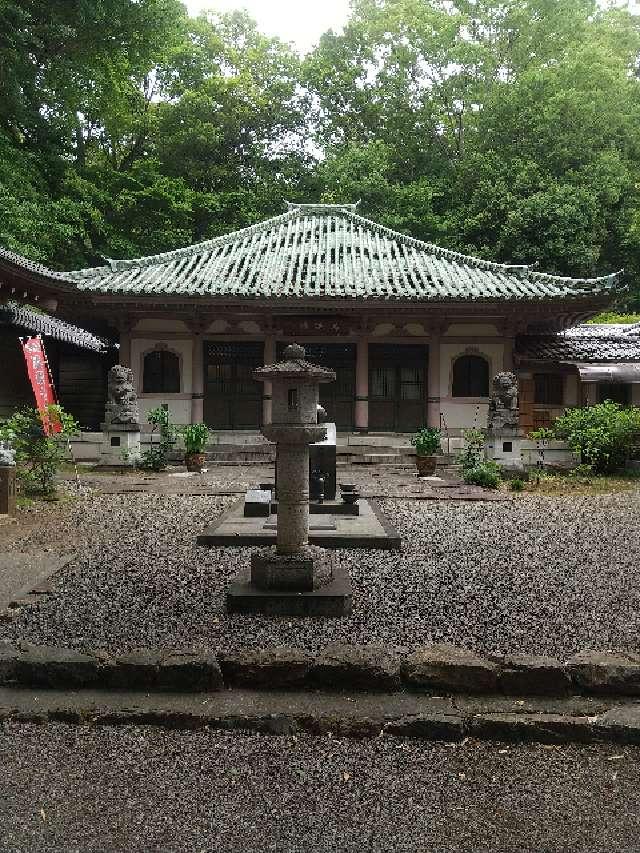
column 295, row 392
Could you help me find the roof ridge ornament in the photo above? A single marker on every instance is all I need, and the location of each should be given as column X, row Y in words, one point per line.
column 321, row 207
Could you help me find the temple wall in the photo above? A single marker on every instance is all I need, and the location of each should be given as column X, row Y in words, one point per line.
column 467, row 412
column 179, row 403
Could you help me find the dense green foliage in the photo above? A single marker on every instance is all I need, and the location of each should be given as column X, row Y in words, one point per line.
column 38, row 456
column 508, row 128
column 195, row 437
column 602, row 435
column 477, row 470
column 427, row 441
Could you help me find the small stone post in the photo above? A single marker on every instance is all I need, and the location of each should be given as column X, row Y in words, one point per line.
column 7, row 480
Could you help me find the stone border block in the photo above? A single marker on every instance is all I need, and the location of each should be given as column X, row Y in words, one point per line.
column 280, row 667
column 54, row 668
column 533, row 675
column 449, row 727
column 448, row 668
column 344, row 667
column 535, row 728
column 606, row 672
column 189, row 670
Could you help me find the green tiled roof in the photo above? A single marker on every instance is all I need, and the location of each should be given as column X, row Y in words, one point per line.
column 328, row 251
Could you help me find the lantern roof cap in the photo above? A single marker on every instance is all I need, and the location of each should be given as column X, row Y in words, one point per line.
column 295, row 366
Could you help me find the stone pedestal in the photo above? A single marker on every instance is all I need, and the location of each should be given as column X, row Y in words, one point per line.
column 120, row 445
column 7, row 490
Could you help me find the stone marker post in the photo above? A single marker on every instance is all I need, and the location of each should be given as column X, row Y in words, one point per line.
column 7, row 480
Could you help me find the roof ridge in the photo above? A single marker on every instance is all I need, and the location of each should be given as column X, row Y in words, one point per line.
column 118, row 264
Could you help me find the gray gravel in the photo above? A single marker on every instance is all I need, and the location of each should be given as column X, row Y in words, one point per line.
column 537, row 574
column 140, row 789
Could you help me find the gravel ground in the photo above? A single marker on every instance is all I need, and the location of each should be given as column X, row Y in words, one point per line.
column 537, row 574
column 142, row 789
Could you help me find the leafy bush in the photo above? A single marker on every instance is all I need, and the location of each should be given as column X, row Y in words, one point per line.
column 195, row 437
column 473, row 453
column 38, row 456
column 517, row 485
column 427, row 441
column 155, row 458
column 485, row 474
column 602, row 434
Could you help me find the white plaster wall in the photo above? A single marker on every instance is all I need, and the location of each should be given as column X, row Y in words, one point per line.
column 493, row 352
column 461, row 415
column 179, row 404
column 571, row 390
column 180, row 409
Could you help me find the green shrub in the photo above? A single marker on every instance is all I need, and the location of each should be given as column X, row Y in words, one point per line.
column 485, row 474
column 155, row 458
column 38, row 456
column 427, row 441
column 473, row 453
column 602, row 434
column 195, row 437
column 516, row 485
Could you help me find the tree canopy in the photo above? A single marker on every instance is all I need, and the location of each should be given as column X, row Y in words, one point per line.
column 506, row 128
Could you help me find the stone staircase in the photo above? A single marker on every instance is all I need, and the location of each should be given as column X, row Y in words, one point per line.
column 387, row 450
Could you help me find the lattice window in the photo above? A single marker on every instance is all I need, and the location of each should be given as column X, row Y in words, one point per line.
column 549, row 389
column 470, row 376
column 161, row 372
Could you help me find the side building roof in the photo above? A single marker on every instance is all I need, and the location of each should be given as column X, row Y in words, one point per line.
column 323, row 251
column 586, row 343
column 33, row 322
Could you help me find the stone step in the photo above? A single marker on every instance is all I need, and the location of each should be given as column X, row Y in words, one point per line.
column 378, row 459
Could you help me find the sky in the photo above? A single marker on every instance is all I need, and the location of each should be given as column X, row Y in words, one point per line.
column 299, row 21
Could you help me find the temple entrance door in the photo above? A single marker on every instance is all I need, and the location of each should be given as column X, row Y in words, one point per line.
column 397, row 387
column 338, row 397
column 232, row 398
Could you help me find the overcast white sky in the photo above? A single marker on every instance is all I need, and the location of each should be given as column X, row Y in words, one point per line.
column 302, row 21
column 299, row 21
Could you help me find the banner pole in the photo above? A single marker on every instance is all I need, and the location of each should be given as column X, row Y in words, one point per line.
column 55, row 397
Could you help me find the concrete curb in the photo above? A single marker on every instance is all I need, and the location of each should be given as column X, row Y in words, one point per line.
column 429, row 669
column 578, row 720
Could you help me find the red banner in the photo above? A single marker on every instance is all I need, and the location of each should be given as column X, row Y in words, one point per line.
column 38, row 370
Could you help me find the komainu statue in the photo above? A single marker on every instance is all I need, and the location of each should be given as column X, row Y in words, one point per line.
column 7, row 455
column 122, row 402
column 503, row 405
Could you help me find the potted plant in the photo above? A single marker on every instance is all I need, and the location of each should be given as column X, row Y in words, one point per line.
column 195, row 438
column 427, row 444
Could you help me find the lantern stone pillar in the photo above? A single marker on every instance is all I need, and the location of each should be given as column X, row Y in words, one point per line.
column 292, row 578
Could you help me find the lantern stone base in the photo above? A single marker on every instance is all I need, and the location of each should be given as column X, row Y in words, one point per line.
column 309, row 569
column 305, row 584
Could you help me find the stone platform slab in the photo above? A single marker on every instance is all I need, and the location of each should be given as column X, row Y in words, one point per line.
column 369, row 529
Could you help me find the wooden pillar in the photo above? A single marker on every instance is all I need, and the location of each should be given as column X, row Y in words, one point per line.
column 433, row 382
column 124, row 355
column 507, row 358
column 362, row 385
column 589, row 393
column 197, row 378
column 269, row 358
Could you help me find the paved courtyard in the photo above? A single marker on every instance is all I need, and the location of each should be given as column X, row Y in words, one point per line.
column 533, row 574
